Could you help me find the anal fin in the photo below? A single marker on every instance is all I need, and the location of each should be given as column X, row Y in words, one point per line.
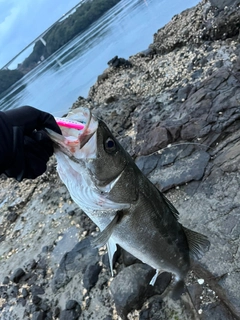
column 154, row 278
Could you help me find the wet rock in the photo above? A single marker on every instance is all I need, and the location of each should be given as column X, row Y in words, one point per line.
column 90, row 277
column 17, row 275
column 73, row 262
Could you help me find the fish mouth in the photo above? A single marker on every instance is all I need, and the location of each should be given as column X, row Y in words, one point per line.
column 78, row 128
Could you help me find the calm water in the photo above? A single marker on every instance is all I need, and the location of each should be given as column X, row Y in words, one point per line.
column 125, row 30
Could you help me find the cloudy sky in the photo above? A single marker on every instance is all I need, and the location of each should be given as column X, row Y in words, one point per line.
column 21, row 21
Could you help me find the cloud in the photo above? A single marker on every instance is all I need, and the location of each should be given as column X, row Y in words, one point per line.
column 22, row 21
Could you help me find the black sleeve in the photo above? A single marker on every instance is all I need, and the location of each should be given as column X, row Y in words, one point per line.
column 25, row 147
column 6, row 143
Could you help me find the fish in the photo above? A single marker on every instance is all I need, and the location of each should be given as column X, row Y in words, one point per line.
column 130, row 211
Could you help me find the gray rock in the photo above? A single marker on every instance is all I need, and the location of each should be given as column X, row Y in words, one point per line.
column 222, row 3
column 39, row 315
column 17, row 275
column 6, row 280
column 71, row 304
column 36, row 300
column 90, row 276
column 130, row 287
column 74, row 262
column 73, row 311
column 36, row 290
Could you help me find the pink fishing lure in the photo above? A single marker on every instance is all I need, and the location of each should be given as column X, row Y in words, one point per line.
column 69, row 124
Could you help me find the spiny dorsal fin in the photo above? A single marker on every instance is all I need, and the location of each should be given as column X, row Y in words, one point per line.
column 197, row 242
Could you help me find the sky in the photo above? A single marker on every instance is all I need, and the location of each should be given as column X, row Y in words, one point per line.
column 21, row 21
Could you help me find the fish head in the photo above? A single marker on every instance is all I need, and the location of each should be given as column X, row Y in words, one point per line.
column 87, row 139
column 110, row 158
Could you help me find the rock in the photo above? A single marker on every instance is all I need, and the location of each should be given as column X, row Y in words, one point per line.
column 30, row 265
column 38, row 315
column 157, row 138
column 69, row 315
column 6, row 280
column 153, row 311
column 221, row 3
column 12, row 217
column 90, row 277
column 56, row 312
column 119, row 62
column 73, row 262
column 73, row 311
column 131, row 287
column 71, row 304
column 184, row 92
column 36, row 290
column 36, row 300
column 25, row 293
column 17, row 275
column 128, row 258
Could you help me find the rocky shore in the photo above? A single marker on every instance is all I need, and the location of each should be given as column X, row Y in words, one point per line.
column 176, row 108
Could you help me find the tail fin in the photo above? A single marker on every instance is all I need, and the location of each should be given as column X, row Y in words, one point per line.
column 197, row 242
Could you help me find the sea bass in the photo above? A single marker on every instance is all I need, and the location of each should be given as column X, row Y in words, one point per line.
column 129, row 210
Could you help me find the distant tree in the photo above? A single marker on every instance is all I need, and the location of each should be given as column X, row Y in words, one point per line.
column 61, row 33
column 66, row 30
column 8, row 78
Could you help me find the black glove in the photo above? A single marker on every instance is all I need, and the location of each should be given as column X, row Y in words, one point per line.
column 28, row 148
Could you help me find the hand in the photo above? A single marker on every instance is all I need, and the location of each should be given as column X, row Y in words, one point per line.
column 31, row 146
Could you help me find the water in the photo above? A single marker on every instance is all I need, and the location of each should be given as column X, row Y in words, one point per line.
column 125, row 30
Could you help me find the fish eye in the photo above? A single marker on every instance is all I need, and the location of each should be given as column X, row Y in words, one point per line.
column 110, row 145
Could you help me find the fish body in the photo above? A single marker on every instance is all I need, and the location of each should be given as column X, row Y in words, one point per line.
column 129, row 210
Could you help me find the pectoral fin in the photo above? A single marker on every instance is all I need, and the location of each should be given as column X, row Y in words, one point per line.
column 103, row 237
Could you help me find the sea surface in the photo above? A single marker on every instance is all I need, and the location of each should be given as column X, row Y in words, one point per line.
column 128, row 28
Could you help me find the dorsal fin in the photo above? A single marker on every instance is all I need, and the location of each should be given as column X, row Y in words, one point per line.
column 197, row 242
